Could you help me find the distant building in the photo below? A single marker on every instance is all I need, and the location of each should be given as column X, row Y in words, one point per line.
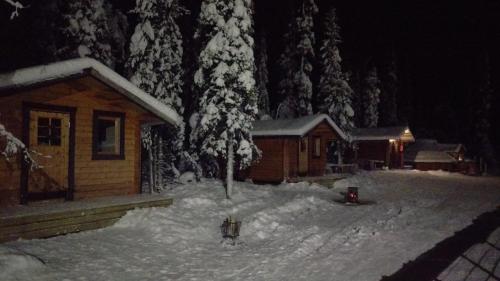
column 428, row 154
column 384, row 146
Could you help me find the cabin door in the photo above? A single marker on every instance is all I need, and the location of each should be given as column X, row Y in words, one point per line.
column 49, row 144
column 303, row 156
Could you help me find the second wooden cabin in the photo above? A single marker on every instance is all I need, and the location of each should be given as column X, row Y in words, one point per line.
column 293, row 148
column 382, row 146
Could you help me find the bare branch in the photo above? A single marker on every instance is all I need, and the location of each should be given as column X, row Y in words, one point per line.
column 17, row 6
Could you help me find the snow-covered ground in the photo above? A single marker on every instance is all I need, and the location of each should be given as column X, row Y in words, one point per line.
column 289, row 232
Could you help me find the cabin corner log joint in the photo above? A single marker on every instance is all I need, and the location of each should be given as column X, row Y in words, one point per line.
column 75, row 117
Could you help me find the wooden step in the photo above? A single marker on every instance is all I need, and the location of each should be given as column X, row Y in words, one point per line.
column 63, row 222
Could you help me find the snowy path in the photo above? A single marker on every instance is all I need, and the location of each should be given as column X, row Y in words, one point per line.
column 289, row 232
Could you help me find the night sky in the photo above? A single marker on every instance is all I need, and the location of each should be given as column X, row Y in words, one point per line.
column 439, row 48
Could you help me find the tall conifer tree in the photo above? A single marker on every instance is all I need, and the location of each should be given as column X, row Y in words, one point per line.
column 225, row 76
column 297, row 63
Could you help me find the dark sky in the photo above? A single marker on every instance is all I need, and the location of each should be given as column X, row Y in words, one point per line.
column 439, row 46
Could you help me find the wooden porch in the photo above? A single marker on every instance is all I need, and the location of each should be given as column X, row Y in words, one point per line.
column 52, row 218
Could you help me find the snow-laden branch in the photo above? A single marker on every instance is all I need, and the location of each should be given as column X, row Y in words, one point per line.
column 17, row 6
column 13, row 146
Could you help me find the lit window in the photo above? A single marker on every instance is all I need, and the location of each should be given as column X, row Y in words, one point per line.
column 49, row 131
column 108, row 135
column 317, row 147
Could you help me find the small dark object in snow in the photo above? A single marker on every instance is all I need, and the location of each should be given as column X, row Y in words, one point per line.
column 351, row 198
column 352, row 195
column 230, row 228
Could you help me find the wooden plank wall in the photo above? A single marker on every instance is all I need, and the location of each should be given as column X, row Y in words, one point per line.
column 270, row 166
column 92, row 177
column 326, row 133
column 63, row 222
column 373, row 150
column 432, row 166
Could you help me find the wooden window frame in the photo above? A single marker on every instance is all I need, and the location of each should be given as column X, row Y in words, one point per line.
column 99, row 156
column 316, row 153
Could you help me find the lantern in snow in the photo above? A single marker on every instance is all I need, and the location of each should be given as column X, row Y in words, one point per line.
column 351, row 195
column 230, row 228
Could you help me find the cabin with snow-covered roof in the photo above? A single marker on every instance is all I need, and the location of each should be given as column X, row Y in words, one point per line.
column 82, row 123
column 381, row 146
column 293, row 148
column 429, row 154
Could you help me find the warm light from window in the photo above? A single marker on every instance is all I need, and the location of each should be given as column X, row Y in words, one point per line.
column 407, row 131
column 392, row 140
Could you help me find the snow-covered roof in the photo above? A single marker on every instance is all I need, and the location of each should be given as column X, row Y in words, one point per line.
column 293, row 127
column 402, row 133
column 430, row 150
column 58, row 70
column 429, row 156
column 434, row 145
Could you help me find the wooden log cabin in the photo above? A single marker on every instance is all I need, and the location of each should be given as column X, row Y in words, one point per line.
column 293, row 148
column 429, row 154
column 382, row 146
column 81, row 122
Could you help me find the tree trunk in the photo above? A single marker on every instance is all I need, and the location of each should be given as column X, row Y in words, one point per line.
column 229, row 171
column 151, row 170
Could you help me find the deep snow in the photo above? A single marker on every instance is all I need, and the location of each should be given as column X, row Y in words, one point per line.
column 289, row 232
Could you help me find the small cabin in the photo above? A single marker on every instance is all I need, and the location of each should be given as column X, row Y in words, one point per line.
column 429, row 154
column 383, row 146
column 81, row 122
column 293, row 148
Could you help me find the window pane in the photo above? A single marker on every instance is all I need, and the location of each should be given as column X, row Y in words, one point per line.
column 55, row 123
column 43, row 122
column 106, row 138
column 43, row 131
column 55, row 132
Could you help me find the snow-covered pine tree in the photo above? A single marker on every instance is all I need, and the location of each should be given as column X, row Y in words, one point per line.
column 262, row 76
column 16, row 5
column 482, row 126
column 297, row 63
column 118, row 26
column 225, row 76
column 45, row 29
column 334, row 93
column 87, row 32
column 155, row 65
column 371, row 99
column 388, row 97
column 11, row 146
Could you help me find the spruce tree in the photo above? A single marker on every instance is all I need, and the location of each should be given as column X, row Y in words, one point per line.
column 262, row 76
column 225, row 76
column 482, row 126
column 371, row 99
column 297, row 63
column 155, row 65
column 388, row 96
column 87, row 32
column 334, row 93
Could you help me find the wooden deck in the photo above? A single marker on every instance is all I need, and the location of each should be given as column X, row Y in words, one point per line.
column 52, row 218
